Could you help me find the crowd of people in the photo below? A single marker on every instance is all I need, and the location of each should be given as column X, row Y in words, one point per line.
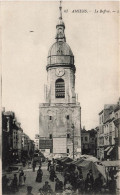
column 73, row 182
column 12, row 185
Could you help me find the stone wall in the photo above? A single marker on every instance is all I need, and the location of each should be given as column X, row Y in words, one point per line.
column 57, row 120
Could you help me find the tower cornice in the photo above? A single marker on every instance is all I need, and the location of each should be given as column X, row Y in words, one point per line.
column 61, row 65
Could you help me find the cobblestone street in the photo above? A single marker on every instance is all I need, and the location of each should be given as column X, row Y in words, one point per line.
column 31, row 177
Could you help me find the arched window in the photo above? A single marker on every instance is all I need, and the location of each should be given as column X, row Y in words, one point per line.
column 60, row 88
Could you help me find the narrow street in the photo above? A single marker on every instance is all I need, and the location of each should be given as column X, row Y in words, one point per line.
column 31, row 177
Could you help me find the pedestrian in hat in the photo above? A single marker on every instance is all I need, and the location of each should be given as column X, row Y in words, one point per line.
column 29, row 190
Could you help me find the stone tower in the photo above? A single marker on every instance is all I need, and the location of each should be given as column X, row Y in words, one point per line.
column 60, row 115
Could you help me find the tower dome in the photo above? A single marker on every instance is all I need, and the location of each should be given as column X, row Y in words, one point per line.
column 60, row 53
column 60, row 48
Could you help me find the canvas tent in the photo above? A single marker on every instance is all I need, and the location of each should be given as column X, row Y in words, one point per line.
column 64, row 160
column 89, row 163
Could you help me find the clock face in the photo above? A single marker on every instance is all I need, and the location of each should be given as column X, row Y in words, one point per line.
column 60, row 72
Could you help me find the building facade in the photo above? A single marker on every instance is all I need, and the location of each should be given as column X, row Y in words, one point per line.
column 108, row 134
column 7, row 141
column 11, row 138
column 28, row 146
column 117, row 130
column 85, row 138
column 93, row 142
column 89, row 142
column 13, row 143
column 17, row 139
column 37, row 136
column 60, row 115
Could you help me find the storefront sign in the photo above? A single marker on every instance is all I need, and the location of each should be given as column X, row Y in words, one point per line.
column 45, row 144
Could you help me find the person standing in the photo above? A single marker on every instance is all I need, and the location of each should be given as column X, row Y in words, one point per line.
column 49, row 164
column 76, row 174
column 67, row 188
column 112, row 185
column 58, row 186
column 34, row 165
column 52, row 174
column 14, row 184
column 5, row 181
column 46, row 188
column 91, row 177
column 80, row 184
column 66, row 178
column 73, row 180
column 39, row 175
column 40, row 162
column 88, row 184
column 98, row 184
column 22, row 178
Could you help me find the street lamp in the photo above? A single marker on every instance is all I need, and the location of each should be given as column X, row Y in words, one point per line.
column 73, row 138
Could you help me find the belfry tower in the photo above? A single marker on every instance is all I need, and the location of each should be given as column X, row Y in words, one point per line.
column 60, row 115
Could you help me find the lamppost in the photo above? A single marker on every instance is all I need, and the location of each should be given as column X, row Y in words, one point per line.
column 73, row 138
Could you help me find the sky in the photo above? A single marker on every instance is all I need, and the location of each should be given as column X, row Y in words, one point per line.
column 93, row 38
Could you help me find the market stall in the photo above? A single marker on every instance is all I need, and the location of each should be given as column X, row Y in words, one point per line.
column 86, row 163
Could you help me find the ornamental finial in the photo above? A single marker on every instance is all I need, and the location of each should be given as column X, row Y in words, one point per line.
column 60, row 8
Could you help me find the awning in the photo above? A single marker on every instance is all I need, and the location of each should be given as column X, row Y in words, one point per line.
column 107, row 149
column 111, row 148
column 114, row 163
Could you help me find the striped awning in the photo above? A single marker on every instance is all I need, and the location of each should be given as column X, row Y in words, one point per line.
column 107, row 149
column 111, row 148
